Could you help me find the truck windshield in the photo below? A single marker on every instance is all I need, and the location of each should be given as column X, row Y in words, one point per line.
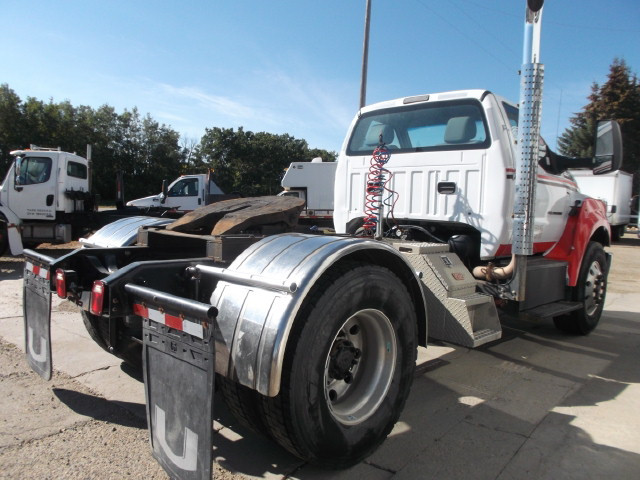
column 184, row 188
column 451, row 125
column 32, row 170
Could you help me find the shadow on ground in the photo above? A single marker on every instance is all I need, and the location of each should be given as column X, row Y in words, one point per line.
column 99, row 408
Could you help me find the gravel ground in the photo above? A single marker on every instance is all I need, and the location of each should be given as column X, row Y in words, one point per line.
column 61, row 429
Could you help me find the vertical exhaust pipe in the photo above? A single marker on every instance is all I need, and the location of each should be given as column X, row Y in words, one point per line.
column 90, row 168
column 531, row 81
column 119, row 190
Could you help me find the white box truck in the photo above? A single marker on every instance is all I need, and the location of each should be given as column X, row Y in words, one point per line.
column 614, row 189
column 312, row 182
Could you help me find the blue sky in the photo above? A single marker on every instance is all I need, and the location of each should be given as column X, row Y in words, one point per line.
column 293, row 66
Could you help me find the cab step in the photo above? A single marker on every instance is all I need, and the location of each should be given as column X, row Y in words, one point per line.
column 551, row 310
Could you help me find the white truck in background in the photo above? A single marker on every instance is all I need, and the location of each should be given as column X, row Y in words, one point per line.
column 45, row 197
column 312, row 182
column 614, row 189
column 184, row 194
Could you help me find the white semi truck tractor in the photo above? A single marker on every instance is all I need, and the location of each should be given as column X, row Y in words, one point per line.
column 447, row 205
column 45, row 197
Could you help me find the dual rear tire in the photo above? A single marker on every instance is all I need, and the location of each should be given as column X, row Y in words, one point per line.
column 347, row 370
column 98, row 329
column 4, row 235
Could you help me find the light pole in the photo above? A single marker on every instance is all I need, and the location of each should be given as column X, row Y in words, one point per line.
column 365, row 56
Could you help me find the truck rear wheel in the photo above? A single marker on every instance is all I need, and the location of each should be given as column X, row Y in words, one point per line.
column 244, row 403
column 4, row 236
column 617, row 232
column 348, row 367
column 98, row 330
column 590, row 290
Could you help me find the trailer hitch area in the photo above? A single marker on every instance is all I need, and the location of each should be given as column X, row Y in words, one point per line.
column 36, row 304
column 178, row 369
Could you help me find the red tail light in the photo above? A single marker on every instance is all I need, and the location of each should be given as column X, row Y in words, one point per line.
column 97, row 297
column 61, row 283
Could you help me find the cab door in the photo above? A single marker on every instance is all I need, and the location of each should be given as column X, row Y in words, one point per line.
column 32, row 189
column 184, row 195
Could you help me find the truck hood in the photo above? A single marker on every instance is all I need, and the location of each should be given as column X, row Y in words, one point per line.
column 151, row 201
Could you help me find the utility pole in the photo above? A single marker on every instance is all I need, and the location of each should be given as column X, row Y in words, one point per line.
column 365, row 56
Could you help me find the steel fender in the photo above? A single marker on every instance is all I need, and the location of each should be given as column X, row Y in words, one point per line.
column 581, row 228
column 123, row 232
column 254, row 321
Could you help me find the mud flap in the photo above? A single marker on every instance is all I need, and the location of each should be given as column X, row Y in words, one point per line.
column 36, row 302
column 179, row 382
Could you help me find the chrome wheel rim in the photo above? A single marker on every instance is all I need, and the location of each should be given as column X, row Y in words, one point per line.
column 595, row 288
column 360, row 366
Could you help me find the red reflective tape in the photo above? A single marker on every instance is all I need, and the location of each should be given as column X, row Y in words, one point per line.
column 140, row 310
column 37, row 270
column 173, row 322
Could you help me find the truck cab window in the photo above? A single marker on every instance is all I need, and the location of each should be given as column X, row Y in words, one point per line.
column 291, row 194
column 184, row 188
column 33, row 170
column 77, row 170
column 512, row 116
column 449, row 125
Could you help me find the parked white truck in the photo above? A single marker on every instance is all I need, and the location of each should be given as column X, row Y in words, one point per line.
column 313, row 338
column 312, row 182
column 44, row 197
column 184, row 194
column 614, row 189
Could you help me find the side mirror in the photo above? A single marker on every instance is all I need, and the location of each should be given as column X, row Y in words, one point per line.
column 608, row 151
column 165, row 189
column 17, row 180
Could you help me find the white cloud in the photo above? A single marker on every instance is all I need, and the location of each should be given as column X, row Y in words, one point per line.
column 216, row 103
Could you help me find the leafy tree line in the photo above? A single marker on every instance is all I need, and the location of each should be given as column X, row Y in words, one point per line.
column 144, row 150
column 619, row 99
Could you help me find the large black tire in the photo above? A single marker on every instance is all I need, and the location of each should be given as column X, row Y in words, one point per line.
column 617, row 232
column 4, row 236
column 244, row 403
column 99, row 331
column 590, row 290
column 348, row 367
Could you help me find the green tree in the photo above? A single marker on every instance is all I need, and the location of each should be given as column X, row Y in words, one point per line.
column 252, row 163
column 619, row 99
column 10, row 117
column 144, row 150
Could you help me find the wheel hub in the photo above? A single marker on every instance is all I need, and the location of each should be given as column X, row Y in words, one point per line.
column 360, row 366
column 343, row 359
